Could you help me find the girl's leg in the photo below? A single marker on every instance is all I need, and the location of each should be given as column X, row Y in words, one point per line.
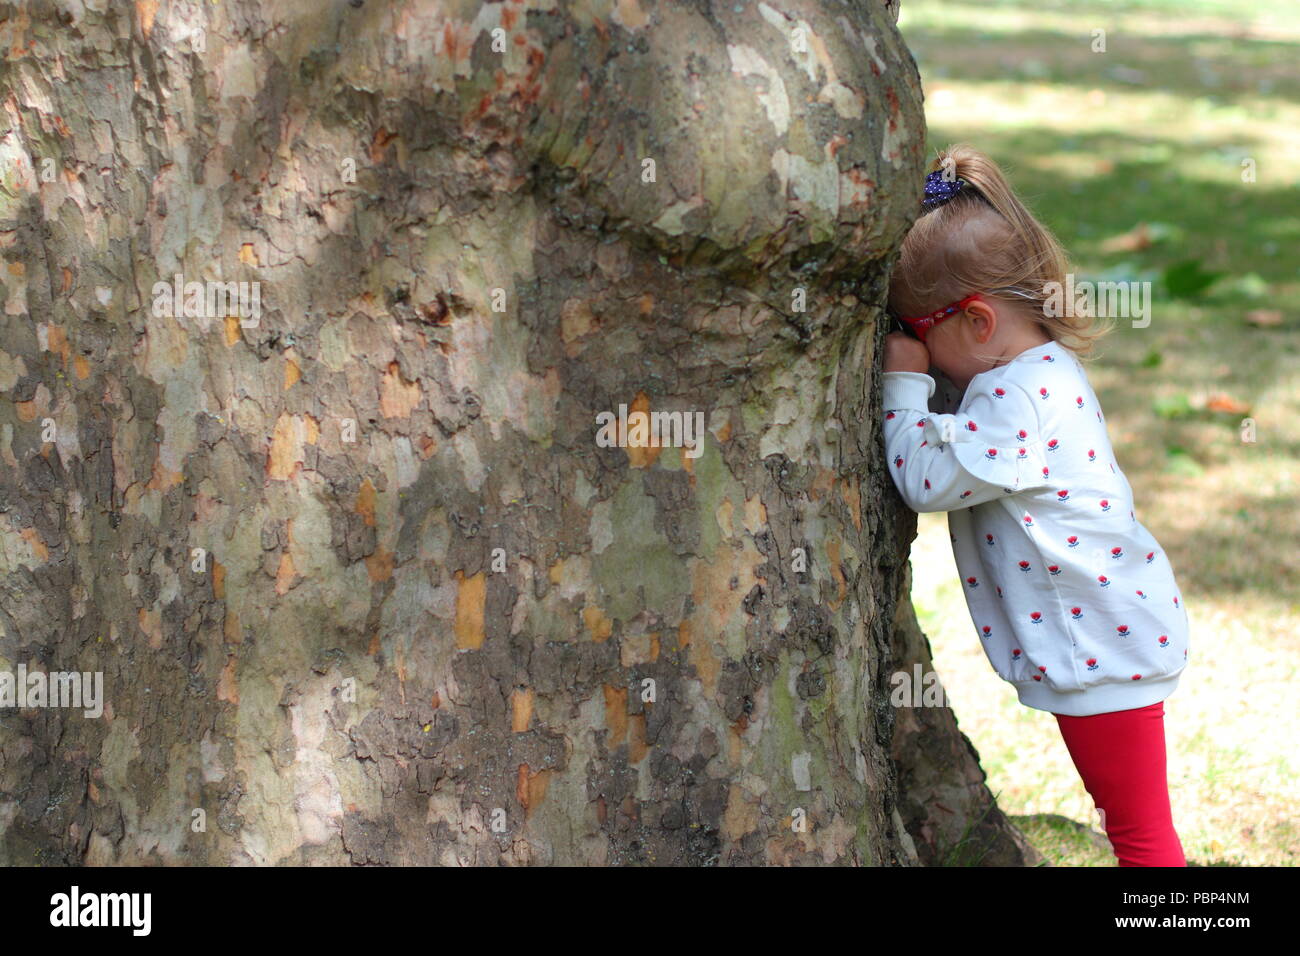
column 1121, row 758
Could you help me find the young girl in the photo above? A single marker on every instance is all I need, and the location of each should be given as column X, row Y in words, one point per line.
column 1073, row 600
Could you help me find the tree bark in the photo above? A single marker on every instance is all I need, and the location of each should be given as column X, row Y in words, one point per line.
column 361, row 582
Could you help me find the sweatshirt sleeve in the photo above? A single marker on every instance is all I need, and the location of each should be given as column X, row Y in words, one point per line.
column 993, row 448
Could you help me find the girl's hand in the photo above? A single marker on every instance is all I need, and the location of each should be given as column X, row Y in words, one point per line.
column 905, row 354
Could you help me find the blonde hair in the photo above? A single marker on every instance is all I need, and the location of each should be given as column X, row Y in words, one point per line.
column 985, row 240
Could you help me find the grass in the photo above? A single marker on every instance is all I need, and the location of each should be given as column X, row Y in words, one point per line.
column 1134, row 157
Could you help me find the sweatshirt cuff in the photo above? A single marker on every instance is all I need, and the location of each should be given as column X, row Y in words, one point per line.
column 907, row 390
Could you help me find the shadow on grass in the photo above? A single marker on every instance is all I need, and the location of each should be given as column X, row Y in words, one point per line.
column 1225, row 69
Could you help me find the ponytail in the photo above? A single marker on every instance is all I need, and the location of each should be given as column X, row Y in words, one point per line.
column 984, row 239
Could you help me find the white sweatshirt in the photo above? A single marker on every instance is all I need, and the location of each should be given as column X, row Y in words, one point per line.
column 1072, row 598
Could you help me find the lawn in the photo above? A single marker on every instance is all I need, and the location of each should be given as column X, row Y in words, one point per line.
column 1171, row 157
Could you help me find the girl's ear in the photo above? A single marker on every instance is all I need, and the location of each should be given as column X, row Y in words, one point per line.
column 984, row 320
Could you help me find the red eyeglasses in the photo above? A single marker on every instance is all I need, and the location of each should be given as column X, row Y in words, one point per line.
column 924, row 323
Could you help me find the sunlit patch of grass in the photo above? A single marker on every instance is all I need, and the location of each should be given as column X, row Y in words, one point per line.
column 1067, row 842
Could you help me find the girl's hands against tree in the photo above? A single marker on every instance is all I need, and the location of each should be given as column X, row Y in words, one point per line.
column 905, row 354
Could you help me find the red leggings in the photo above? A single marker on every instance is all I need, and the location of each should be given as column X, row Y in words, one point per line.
column 1121, row 758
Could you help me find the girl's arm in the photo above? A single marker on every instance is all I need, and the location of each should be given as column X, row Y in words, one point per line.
column 943, row 462
column 947, row 397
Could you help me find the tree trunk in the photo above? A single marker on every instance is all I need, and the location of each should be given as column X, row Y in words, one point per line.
column 362, row 582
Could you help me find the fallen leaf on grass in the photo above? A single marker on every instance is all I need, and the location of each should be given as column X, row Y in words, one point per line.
column 1264, row 317
column 1187, row 279
column 1139, row 237
column 1226, row 403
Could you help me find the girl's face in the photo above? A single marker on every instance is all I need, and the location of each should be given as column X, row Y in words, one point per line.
column 988, row 333
column 956, row 343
